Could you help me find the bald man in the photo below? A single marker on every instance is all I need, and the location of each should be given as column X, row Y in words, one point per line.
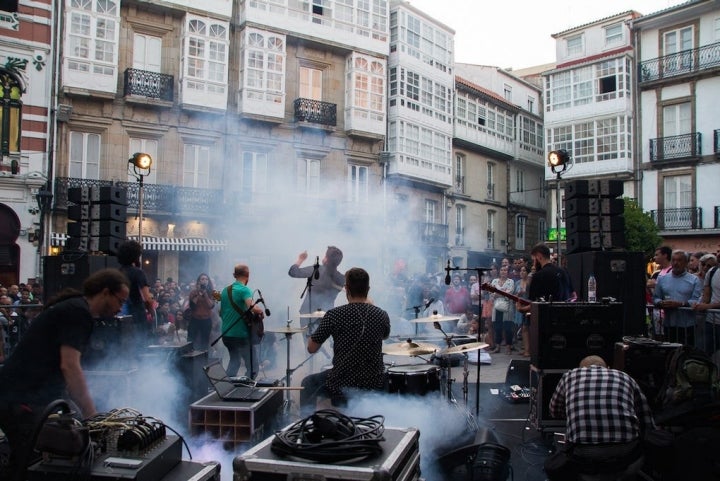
column 606, row 414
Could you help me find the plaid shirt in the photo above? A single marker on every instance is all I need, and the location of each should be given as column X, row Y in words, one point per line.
column 601, row 406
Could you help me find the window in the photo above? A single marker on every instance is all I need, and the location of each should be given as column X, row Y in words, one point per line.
column 678, row 194
column 582, row 85
column 367, row 76
column 308, row 177
column 574, row 45
column 196, row 166
column 254, row 172
column 206, row 47
column 613, row 34
column 92, row 43
column 430, row 210
column 460, row 173
column 150, row 147
column 677, row 119
column 677, row 50
column 84, row 156
column 459, row 225
column 10, row 113
column 531, row 105
column 519, row 181
column 507, row 92
column 491, row 229
column 147, row 52
column 490, row 181
column 602, row 139
column 357, row 183
column 520, row 223
column 310, row 83
column 264, row 60
column 542, row 229
column 9, row 6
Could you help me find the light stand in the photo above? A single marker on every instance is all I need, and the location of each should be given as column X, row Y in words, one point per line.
column 44, row 199
column 559, row 162
column 141, row 165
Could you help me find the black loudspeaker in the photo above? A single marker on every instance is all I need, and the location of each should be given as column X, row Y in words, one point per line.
column 542, row 386
column 587, row 241
column 518, row 372
column 645, row 361
column 70, row 269
column 190, row 366
column 620, row 275
column 563, row 333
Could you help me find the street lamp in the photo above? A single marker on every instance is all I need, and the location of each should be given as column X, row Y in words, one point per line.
column 141, row 164
column 44, row 199
column 558, row 161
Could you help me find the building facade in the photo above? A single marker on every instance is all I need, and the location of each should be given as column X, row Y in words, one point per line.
column 678, row 128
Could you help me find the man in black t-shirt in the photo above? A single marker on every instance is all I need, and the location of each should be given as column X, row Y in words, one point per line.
column 545, row 283
column 358, row 329
column 140, row 299
column 46, row 362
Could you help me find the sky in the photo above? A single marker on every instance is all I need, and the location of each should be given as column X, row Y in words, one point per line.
column 517, row 33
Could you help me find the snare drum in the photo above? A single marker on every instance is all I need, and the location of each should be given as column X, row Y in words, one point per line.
column 413, row 379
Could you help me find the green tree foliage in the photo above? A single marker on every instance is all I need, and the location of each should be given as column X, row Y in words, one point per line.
column 641, row 232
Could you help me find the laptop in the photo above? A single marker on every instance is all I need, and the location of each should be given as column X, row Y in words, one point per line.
column 229, row 391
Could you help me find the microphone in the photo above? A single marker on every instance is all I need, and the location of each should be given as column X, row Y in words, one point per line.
column 260, row 299
column 430, row 301
column 447, row 275
column 317, row 267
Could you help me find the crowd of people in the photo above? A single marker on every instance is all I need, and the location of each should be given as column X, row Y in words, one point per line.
column 19, row 304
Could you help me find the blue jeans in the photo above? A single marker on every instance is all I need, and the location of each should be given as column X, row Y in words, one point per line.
column 239, row 348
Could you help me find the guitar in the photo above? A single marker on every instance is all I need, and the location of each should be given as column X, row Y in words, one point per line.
column 512, row 297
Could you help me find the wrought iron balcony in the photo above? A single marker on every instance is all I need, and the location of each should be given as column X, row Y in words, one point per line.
column 460, row 236
column 316, row 112
column 429, row 233
column 678, row 219
column 686, row 146
column 680, row 63
column 157, row 199
column 149, row 84
column 460, row 184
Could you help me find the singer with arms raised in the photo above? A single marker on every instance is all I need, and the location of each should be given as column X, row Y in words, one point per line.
column 236, row 335
column 324, row 280
column 358, row 329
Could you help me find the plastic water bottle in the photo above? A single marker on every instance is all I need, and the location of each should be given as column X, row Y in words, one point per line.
column 592, row 289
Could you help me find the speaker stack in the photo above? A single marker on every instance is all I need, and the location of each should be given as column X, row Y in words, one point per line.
column 70, row 269
column 593, row 215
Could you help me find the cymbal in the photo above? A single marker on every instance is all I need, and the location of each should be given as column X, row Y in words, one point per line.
column 471, row 346
column 286, row 330
column 317, row 313
column 409, row 348
column 435, row 318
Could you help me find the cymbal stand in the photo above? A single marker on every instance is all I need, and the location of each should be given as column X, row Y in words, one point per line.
column 445, row 363
column 417, row 314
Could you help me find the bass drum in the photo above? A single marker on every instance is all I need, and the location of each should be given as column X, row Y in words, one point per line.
column 417, row 379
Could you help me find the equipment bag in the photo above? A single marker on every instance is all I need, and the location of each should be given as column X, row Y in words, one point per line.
column 691, row 376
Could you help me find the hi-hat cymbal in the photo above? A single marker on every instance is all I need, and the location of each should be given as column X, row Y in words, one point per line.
column 435, row 318
column 287, row 330
column 471, row 346
column 409, row 348
column 317, row 313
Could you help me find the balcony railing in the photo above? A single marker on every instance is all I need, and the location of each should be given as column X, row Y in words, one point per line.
column 680, row 63
column 316, row 112
column 157, row 199
column 676, row 147
column 716, row 142
column 491, row 192
column 149, row 84
column 678, row 219
column 430, row 233
column 460, row 184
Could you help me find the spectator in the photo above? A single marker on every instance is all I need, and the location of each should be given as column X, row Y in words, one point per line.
column 676, row 291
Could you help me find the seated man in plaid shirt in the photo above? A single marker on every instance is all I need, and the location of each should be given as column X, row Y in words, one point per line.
column 607, row 415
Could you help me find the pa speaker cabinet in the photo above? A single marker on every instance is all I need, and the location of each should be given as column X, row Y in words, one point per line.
column 542, row 386
column 620, row 275
column 71, row 270
column 645, row 361
column 518, row 372
column 563, row 333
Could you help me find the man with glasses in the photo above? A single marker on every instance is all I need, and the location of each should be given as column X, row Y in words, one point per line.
column 45, row 365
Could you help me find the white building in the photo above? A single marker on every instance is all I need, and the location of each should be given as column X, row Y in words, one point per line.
column 678, row 125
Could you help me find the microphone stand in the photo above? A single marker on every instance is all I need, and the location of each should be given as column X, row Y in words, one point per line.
column 417, row 313
column 479, row 271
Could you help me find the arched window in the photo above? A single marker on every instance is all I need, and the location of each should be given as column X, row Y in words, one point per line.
column 10, row 112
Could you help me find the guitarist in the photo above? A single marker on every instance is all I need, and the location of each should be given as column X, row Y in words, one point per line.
column 545, row 282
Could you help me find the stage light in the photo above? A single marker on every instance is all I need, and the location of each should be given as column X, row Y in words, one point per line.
column 558, row 160
column 141, row 161
column 141, row 164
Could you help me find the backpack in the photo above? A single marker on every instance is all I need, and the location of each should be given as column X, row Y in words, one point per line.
column 691, row 376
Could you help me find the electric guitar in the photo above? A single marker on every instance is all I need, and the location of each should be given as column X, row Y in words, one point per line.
column 512, row 297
